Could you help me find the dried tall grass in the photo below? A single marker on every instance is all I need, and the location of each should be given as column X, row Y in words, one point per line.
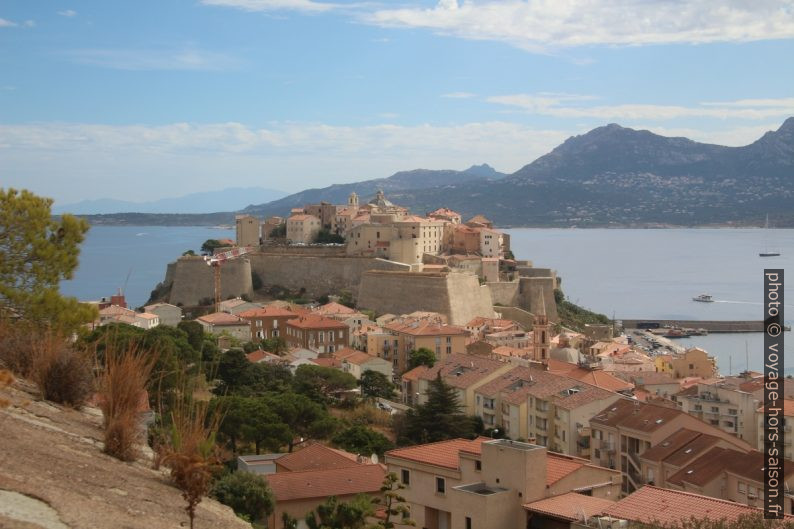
column 62, row 373
column 122, row 396
column 191, row 453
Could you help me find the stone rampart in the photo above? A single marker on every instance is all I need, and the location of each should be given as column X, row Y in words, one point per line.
column 192, row 280
column 457, row 295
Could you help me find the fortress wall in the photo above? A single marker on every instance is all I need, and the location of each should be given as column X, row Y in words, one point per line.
column 308, row 251
column 505, row 293
column 524, row 318
column 192, row 280
column 530, row 289
column 317, row 274
column 459, row 296
column 468, row 299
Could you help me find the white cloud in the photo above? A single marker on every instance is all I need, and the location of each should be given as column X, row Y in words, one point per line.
column 68, row 13
column 540, row 25
column 569, row 106
column 29, row 23
column 174, row 59
column 7, row 23
column 459, row 95
column 70, row 160
column 272, row 5
column 732, row 137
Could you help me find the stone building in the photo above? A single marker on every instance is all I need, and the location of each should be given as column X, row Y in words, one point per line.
column 168, row 314
column 303, row 228
column 247, row 230
column 268, row 322
column 317, row 333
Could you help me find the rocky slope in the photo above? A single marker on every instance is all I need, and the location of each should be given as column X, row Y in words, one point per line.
column 53, row 475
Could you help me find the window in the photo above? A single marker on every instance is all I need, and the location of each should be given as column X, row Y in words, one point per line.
column 468, row 523
column 691, row 366
column 741, row 487
column 405, row 477
column 715, row 409
column 449, row 350
column 441, row 485
column 478, row 465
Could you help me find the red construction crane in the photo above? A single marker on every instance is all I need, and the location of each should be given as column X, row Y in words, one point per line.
column 215, row 261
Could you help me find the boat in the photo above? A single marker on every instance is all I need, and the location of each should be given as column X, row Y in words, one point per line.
column 703, row 298
column 767, row 252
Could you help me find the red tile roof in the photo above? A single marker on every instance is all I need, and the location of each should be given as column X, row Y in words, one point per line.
column 415, row 373
column 570, row 507
column 313, row 321
column 259, row 355
column 267, row 312
column 359, row 358
column 289, row 486
column 334, row 308
column 463, row 370
column 426, row 328
column 441, row 454
column 665, row 507
column 222, row 318
column 596, row 378
column 316, row 457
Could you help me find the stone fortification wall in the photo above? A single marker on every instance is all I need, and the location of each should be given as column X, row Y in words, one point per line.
column 521, row 316
column 457, row 295
column 317, row 274
column 505, row 293
column 192, row 280
column 530, row 291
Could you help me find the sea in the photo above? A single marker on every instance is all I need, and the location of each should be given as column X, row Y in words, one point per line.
column 625, row 273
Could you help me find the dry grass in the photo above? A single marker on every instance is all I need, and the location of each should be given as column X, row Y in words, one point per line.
column 6, row 379
column 191, row 453
column 62, row 373
column 122, row 395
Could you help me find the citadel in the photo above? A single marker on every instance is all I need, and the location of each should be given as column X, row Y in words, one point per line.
column 391, row 261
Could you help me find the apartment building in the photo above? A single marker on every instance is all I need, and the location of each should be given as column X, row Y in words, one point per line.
column 622, row 432
column 551, row 410
column 787, row 420
column 409, row 334
column 317, row 333
column 303, row 228
column 268, row 322
column 729, row 404
column 484, row 483
column 463, row 372
column 693, row 362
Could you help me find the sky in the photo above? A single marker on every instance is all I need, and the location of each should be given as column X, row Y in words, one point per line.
column 157, row 98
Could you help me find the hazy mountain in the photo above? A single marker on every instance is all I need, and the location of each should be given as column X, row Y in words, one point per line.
column 230, row 199
column 609, row 176
column 416, row 179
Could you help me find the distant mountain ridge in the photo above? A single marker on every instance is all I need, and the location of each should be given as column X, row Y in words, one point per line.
column 610, row 176
column 400, row 181
column 229, row 199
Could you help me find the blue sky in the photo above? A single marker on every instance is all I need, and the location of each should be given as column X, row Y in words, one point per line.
column 143, row 100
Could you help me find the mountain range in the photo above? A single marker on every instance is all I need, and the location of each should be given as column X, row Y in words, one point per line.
column 610, row 176
column 230, row 199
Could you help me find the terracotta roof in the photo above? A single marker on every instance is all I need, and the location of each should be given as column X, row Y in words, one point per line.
column 222, row 318
column 444, row 454
column 675, row 442
column 665, row 507
column 344, row 352
column 313, row 321
column 146, row 315
column 317, row 457
column 334, row 308
column 463, row 370
column 636, row 415
column 482, row 219
column 570, row 507
column 115, row 310
column 415, row 373
column 259, row 355
column 267, row 312
column 646, row 378
column 713, row 463
column 559, row 466
column 596, row 377
column 425, row 328
column 506, row 350
column 360, row 358
column 289, row 486
column 328, row 362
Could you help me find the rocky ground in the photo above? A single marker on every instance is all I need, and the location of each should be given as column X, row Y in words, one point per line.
column 53, row 475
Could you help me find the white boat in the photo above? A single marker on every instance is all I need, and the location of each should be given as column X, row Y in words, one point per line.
column 704, row 298
column 767, row 252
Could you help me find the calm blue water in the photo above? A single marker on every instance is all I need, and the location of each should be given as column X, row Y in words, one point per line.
column 628, row 273
column 655, row 274
column 110, row 253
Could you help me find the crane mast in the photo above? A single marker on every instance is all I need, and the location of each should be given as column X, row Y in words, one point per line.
column 216, row 261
